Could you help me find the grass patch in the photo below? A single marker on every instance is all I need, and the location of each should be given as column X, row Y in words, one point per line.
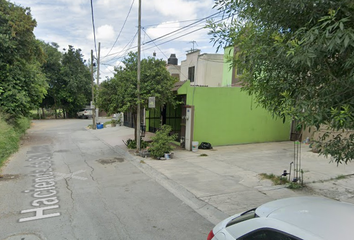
column 277, row 180
column 10, row 136
column 339, row 177
column 203, row 155
column 295, row 186
column 107, row 123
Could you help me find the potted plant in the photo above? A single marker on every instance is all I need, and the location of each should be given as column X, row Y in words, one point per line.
column 114, row 122
column 161, row 142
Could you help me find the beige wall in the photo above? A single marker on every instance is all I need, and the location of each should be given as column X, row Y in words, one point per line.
column 174, row 70
column 208, row 68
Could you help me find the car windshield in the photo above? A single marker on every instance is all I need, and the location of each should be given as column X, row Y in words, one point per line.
column 243, row 217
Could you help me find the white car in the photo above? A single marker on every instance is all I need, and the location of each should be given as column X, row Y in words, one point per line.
column 307, row 218
column 84, row 113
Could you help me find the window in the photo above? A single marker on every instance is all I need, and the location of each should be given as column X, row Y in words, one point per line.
column 191, row 71
column 267, row 234
column 243, row 217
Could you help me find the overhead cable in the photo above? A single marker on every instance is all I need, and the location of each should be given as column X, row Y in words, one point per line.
column 180, row 29
column 163, row 54
column 125, row 21
column 124, row 50
column 187, row 33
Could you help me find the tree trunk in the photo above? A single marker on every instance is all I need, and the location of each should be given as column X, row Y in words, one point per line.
column 43, row 113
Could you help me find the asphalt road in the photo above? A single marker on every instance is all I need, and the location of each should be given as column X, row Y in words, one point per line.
column 64, row 183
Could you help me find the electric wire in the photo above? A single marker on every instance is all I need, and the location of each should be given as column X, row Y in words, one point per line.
column 188, row 33
column 183, row 28
column 164, row 54
column 125, row 21
column 172, row 22
column 94, row 28
column 180, row 29
column 124, row 51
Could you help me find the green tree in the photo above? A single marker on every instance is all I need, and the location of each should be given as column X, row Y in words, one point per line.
column 298, row 60
column 52, row 70
column 74, row 90
column 22, row 83
column 119, row 94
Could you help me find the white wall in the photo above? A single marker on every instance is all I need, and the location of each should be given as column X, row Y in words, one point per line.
column 208, row 68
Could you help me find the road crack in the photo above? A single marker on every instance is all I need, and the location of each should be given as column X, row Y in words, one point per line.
column 92, row 170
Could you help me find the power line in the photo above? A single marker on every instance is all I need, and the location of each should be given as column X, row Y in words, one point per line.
column 163, row 54
column 94, row 28
column 116, row 53
column 187, row 33
column 180, row 29
column 183, row 28
column 172, row 22
column 124, row 50
column 125, row 21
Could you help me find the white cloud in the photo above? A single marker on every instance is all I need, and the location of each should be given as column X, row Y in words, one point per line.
column 193, row 33
column 163, row 28
column 77, row 6
column 68, row 22
column 178, row 9
column 105, row 32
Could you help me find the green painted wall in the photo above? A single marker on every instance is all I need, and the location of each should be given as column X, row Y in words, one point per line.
column 226, row 116
column 227, row 73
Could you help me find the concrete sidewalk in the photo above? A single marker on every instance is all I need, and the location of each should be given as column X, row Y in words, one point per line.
column 225, row 180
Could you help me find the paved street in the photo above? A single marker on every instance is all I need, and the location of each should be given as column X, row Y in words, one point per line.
column 65, row 183
column 68, row 182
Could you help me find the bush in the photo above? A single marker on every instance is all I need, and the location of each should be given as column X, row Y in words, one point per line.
column 11, row 130
column 22, row 124
column 9, row 140
column 131, row 144
column 162, row 142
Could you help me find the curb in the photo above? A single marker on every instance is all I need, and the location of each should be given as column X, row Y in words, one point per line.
column 206, row 210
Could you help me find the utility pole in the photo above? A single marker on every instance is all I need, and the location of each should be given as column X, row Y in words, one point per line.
column 98, row 78
column 138, row 79
column 93, row 94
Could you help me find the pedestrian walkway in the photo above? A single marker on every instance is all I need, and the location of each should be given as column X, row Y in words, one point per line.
column 225, row 180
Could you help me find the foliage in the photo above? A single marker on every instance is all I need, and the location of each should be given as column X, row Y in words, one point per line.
column 9, row 140
column 119, row 94
column 277, row 180
column 131, row 144
column 10, row 136
column 162, row 142
column 76, row 90
column 52, row 69
column 22, row 83
column 298, row 61
column 21, row 125
column 295, row 186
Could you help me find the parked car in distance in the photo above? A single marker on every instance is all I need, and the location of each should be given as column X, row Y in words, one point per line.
column 84, row 113
column 307, row 218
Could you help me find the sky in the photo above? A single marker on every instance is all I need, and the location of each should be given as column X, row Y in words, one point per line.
column 69, row 22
